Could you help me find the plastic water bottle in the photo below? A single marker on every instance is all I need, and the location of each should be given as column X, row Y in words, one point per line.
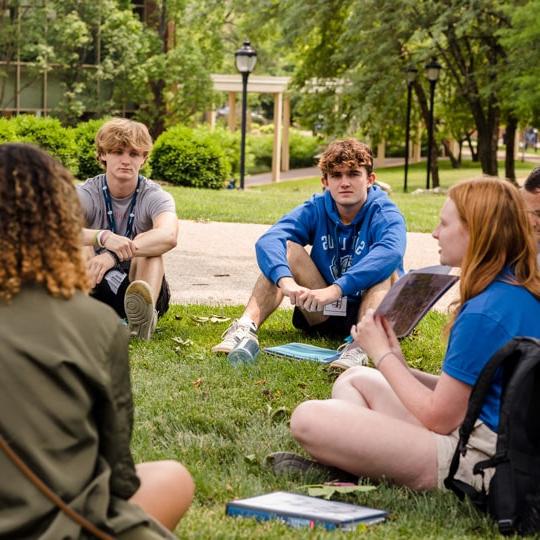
column 245, row 352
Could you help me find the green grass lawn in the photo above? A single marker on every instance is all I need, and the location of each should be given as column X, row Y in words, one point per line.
column 267, row 203
column 222, row 421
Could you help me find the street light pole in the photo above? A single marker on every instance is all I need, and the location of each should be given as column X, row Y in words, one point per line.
column 411, row 76
column 433, row 69
column 244, row 127
column 245, row 59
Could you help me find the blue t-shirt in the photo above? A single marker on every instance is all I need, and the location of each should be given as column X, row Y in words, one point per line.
column 485, row 323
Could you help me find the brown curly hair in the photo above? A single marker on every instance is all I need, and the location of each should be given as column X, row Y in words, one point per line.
column 348, row 152
column 40, row 224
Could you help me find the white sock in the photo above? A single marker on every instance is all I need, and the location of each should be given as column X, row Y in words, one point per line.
column 245, row 320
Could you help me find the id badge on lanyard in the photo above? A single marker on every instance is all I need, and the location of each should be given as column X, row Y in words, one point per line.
column 337, row 308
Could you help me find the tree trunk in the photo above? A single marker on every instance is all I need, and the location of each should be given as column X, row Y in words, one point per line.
column 158, row 20
column 453, row 159
column 474, row 153
column 487, row 150
column 510, row 145
column 487, row 132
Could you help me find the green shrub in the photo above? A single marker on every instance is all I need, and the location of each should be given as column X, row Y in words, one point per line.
column 7, row 131
column 188, row 157
column 85, row 135
column 49, row 134
column 229, row 142
column 303, row 149
column 261, row 146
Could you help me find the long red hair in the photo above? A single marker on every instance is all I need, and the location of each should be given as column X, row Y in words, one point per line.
column 500, row 236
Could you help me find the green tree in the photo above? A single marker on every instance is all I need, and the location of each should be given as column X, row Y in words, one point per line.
column 367, row 43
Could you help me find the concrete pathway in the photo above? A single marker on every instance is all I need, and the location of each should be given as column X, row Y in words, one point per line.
column 214, row 263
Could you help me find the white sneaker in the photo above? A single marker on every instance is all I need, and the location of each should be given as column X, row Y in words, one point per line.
column 352, row 355
column 233, row 336
column 140, row 312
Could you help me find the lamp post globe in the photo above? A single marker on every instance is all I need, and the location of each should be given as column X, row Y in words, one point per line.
column 245, row 59
column 412, row 72
column 432, row 70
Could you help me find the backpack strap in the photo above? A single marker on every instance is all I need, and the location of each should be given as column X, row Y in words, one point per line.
column 510, row 352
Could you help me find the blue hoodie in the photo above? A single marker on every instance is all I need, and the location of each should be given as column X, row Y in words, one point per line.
column 354, row 256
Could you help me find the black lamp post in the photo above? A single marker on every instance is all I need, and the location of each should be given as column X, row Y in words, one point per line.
column 433, row 69
column 411, row 76
column 245, row 59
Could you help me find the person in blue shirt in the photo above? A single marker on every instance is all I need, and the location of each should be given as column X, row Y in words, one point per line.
column 402, row 424
column 357, row 237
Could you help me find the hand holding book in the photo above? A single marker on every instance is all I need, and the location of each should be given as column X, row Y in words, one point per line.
column 376, row 337
column 412, row 296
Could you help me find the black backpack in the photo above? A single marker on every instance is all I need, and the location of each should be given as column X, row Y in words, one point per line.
column 513, row 500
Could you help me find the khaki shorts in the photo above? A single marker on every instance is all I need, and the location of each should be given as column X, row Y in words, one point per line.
column 481, row 446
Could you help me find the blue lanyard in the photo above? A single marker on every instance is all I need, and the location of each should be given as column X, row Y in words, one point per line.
column 109, row 207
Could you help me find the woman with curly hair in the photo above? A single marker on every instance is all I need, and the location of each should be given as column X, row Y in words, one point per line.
column 65, row 393
column 401, row 423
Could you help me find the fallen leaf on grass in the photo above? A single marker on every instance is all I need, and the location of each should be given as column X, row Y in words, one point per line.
column 329, row 489
column 183, row 342
column 214, row 319
column 280, row 414
column 261, row 381
column 251, row 458
column 197, row 383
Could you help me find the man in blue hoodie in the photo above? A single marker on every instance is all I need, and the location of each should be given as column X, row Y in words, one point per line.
column 358, row 241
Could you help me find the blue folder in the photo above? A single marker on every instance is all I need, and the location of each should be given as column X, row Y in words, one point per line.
column 303, row 351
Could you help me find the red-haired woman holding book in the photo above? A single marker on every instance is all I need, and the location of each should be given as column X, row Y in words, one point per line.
column 399, row 423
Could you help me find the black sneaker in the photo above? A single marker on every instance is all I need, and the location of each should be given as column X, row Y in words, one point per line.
column 288, row 463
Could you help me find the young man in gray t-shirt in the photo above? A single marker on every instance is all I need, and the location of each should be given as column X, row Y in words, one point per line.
column 131, row 223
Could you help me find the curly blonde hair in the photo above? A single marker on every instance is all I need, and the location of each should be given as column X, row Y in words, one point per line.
column 40, row 224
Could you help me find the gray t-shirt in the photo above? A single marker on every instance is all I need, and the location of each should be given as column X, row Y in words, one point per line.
column 152, row 201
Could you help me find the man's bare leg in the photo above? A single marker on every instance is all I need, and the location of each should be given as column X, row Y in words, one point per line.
column 264, row 300
column 266, row 297
column 305, row 273
column 148, row 269
column 375, row 295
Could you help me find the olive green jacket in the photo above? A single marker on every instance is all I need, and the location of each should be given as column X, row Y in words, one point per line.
column 66, row 408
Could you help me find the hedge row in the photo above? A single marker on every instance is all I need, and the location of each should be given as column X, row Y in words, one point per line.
column 183, row 156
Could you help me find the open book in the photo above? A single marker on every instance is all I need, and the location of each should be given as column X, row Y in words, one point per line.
column 303, row 511
column 411, row 297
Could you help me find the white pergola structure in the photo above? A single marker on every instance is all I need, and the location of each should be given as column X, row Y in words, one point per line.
column 277, row 86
